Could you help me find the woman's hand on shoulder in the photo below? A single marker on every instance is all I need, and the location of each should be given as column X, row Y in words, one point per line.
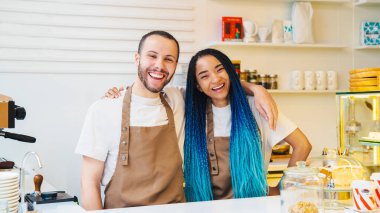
column 113, row 92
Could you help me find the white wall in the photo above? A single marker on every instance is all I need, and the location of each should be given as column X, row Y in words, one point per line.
column 57, row 57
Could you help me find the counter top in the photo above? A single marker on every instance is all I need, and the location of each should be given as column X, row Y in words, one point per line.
column 260, row 204
column 249, row 205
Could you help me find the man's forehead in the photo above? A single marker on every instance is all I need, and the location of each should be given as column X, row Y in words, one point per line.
column 160, row 44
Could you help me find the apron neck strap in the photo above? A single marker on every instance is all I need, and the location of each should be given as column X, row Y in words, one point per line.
column 127, row 109
column 169, row 111
column 210, row 120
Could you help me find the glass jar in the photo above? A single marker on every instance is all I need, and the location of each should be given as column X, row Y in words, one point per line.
column 252, row 76
column 301, row 190
column 263, row 80
column 273, row 81
column 244, row 75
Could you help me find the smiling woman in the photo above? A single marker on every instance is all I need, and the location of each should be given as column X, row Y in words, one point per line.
column 225, row 134
column 213, row 80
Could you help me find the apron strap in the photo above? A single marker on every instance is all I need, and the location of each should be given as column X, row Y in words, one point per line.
column 169, row 111
column 210, row 140
column 125, row 123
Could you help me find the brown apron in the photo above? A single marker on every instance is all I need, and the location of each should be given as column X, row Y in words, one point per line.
column 219, row 160
column 149, row 166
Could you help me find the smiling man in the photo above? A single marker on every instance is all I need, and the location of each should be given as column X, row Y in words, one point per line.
column 131, row 144
column 134, row 145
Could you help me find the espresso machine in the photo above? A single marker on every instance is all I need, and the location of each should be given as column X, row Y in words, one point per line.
column 9, row 112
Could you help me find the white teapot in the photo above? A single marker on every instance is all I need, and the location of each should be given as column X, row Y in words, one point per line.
column 250, row 31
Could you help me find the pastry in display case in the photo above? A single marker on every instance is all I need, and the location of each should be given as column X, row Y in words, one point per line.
column 359, row 127
column 337, row 172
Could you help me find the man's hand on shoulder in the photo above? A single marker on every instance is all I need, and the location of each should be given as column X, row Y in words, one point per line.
column 113, row 92
column 266, row 105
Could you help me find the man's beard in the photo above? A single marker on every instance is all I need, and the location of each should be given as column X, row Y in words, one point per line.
column 145, row 83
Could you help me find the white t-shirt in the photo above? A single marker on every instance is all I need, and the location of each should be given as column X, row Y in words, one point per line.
column 222, row 127
column 100, row 137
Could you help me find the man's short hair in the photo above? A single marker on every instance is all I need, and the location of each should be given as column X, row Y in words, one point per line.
column 159, row 33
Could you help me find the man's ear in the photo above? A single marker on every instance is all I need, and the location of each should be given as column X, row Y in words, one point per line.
column 137, row 59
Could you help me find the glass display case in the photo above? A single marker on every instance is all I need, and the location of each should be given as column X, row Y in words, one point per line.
column 337, row 173
column 359, row 127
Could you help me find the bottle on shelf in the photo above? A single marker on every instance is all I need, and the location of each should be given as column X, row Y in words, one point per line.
column 263, row 80
column 252, row 76
column 244, row 75
column 273, row 81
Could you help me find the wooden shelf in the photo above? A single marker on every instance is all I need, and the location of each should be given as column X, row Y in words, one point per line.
column 287, row 156
column 277, row 166
column 286, row 45
column 333, row 92
column 368, row 47
column 366, row 2
column 331, row 1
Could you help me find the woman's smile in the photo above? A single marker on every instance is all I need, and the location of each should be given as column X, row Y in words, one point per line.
column 213, row 80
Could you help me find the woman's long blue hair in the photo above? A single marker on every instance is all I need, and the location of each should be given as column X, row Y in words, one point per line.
column 248, row 176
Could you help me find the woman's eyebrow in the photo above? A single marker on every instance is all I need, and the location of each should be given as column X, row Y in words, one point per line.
column 217, row 66
column 201, row 72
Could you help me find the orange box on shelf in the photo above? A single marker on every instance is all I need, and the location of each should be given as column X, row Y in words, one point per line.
column 232, row 29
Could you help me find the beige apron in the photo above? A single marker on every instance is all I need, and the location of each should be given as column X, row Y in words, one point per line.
column 149, row 166
column 219, row 160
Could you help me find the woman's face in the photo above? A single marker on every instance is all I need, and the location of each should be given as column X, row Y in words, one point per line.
column 213, row 80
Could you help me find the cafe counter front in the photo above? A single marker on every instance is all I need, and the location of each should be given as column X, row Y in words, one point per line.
column 261, row 204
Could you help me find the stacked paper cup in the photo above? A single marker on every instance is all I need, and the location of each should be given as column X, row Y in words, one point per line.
column 363, row 195
column 376, row 179
column 9, row 190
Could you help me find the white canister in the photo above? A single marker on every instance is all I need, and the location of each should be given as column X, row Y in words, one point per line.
column 277, row 32
column 309, row 80
column 321, row 80
column 332, row 80
column 297, row 80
